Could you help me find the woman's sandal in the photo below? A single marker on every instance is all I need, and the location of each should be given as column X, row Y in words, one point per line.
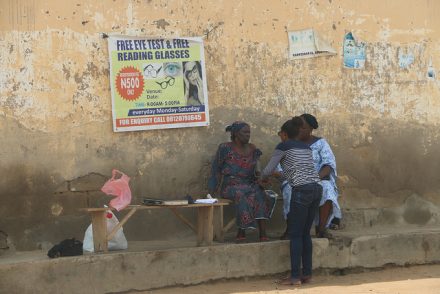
column 264, row 239
column 336, row 227
column 240, row 240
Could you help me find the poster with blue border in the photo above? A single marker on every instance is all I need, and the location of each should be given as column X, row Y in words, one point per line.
column 157, row 83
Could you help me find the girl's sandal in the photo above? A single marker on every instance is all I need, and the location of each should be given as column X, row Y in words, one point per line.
column 306, row 279
column 290, row 282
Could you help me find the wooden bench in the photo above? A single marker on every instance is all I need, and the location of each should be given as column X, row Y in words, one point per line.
column 209, row 222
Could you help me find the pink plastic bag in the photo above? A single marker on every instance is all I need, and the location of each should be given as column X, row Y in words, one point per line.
column 120, row 189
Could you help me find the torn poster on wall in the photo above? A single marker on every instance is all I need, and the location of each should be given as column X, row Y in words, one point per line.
column 405, row 59
column 431, row 71
column 308, row 44
column 157, row 83
column 354, row 52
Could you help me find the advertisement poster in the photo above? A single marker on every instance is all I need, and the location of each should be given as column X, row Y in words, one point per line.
column 354, row 53
column 308, row 44
column 157, row 83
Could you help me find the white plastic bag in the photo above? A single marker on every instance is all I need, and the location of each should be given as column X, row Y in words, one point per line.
column 118, row 242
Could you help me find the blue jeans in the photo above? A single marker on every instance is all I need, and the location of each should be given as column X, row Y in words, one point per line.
column 304, row 204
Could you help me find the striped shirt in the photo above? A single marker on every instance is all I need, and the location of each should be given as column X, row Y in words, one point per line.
column 296, row 162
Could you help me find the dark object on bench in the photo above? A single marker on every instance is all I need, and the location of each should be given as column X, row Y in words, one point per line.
column 68, row 247
column 190, row 199
column 151, row 201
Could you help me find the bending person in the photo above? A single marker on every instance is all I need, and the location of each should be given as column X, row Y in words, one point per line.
column 236, row 167
column 297, row 168
column 325, row 164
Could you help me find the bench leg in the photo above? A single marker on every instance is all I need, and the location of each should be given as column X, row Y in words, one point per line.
column 205, row 227
column 218, row 223
column 231, row 223
column 99, row 225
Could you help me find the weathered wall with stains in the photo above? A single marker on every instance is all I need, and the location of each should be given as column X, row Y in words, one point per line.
column 58, row 147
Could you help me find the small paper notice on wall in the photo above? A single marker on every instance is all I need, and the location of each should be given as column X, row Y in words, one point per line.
column 354, row 52
column 308, row 44
column 405, row 59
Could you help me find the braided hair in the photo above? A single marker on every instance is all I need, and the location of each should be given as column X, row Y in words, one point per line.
column 310, row 120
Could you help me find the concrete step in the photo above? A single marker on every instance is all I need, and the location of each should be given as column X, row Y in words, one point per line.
column 146, row 266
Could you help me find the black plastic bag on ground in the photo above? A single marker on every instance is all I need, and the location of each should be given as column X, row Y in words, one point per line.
column 68, row 247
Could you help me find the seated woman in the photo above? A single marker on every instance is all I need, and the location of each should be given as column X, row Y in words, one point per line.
column 325, row 164
column 235, row 167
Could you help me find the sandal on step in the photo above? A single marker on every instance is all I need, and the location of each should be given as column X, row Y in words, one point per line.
column 306, row 279
column 240, row 240
column 336, row 227
column 290, row 282
column 325, row 234
column 264, row 239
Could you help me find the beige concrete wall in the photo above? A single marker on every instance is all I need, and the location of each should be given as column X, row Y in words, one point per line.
column 55, row 108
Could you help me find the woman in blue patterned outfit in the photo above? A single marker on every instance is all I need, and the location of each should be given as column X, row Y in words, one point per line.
column 325, row 163
column 235, row 167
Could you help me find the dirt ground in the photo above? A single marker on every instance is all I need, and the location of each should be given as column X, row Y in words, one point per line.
column 408, row 280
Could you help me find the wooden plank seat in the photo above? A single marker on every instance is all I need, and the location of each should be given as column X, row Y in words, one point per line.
column 209, row 222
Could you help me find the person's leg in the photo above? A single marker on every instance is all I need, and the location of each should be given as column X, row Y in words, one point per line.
column 307, row 240
column 262, row 229
column 296, row 221
column 244, row 202
column 324, row 212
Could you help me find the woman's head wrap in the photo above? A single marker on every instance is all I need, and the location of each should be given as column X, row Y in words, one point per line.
column 310, row 120
column 236, row 126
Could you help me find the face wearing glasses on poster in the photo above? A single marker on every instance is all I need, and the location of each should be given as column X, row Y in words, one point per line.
column 192, row 74
column 169, row 81
column 151, row 72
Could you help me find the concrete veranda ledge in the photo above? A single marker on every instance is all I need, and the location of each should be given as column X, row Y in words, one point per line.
column 145, row 267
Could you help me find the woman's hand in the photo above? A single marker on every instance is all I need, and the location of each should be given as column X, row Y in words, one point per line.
column 325, row 171
column 263, row 182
